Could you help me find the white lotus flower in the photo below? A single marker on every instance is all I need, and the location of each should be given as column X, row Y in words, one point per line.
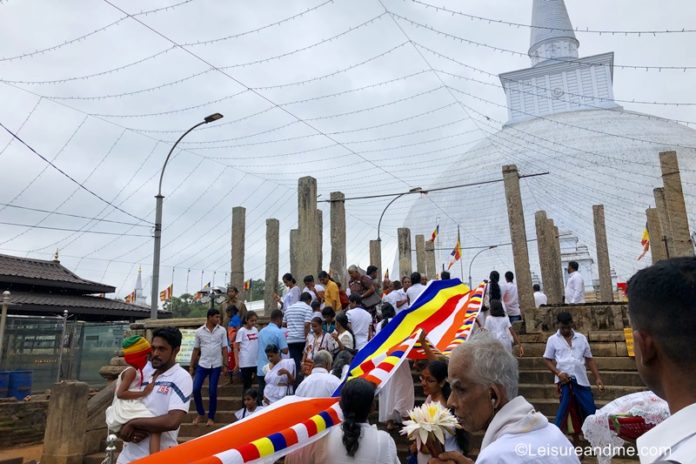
column 431, row 419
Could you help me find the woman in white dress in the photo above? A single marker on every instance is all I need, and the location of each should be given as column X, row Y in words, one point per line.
column 498, row 324
column 397, row 396
column 343, row 335
column 355, row 441
column 280, row 375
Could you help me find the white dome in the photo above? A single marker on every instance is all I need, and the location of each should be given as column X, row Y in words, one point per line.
column 608, row 157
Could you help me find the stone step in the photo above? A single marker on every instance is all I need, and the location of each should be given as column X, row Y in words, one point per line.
column 613, row 378
column 94, row 458
column 190, row 430
column 224, row 403
column 533, row 391
column 604, row 363
column 221, row 416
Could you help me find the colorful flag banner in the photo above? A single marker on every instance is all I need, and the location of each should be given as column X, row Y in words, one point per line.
column 456, row 253
column 130, row 298
column 645, row 241
column 166, row 294
column 435, row 233
column 199, row 294
column 284, row 426
column 247, row 285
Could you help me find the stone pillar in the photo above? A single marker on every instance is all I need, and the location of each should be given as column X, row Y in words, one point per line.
column 338, row 266
column 272, row 264
column 663, row 217
column 238, row 232
column 307, row 241
column 294, row 244
column 376, row 258
column 558, row 263
column 546, row 250
column 66, row 424
column 658, row 249
column 420, row 255
column 320, row 242
column 518, row 235
column 404, row 235
column 430, row 268
column 676, row 208
column 606, row 295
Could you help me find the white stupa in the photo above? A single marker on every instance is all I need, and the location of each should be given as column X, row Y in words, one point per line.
column 139, row 293
column 562, row 119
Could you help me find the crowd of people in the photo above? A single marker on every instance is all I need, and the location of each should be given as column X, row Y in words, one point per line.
column 307, row 347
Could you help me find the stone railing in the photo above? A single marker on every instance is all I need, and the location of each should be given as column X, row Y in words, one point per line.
column 22, row 422
column 587, row 317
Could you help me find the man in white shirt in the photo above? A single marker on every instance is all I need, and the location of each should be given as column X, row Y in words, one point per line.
column 566, row 354
column 169, row 400
column 539, row 296
column 415, row 289
column 320, row 383
column 662, row 311
column 360, row 321
column 208, row 360
column 575, row 287
column 396, row 297
column 297, row 319
column 511, row 299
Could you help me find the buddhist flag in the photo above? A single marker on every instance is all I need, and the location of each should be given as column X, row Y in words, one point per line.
column 645, row 241
column 456, row 253
column 199, row 294
column 247, row 285
column 435, row 233
column 130, row 298
column 166, row 294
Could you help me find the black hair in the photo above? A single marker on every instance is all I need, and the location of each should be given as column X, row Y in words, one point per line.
column 438, row 369
column 342, row 319
column 662, row 302
column 318, row 320
column 276, row 314
column 564, row 318
column 248, row 316
column 396, row 284
column 328, row 311
column 252, row 392
column 323, row 275
column 509, row 276
column 213, row 312
column 232, row 309
column 415, row 278
column 493, row 286
column 343, row 358
column 574, row 265
column 272, row 348
column 370, row 269
column 315, row 305
column 497, row 309
column 308, row 278
column 355, row 298
column 356, row 401
column 306, row 297
column 388, row 312
column 171, row 335
column 536, row 288
column 445, row 275
column 233, row 288
column 289, row 277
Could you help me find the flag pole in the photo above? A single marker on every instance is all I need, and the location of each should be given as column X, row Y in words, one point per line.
column 461, row 261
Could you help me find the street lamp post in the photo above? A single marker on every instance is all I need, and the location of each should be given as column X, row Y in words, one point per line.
column 158, row 219
column 472, row 260
column 379, row 224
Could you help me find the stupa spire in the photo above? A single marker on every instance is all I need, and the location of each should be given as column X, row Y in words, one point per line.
column 552, row 35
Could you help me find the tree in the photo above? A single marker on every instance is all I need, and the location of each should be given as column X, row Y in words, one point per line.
column 184, row 306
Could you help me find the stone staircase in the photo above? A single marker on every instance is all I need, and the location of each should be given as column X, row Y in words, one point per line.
column 536, row 384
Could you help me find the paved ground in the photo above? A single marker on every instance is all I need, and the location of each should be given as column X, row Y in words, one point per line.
column 30, row 452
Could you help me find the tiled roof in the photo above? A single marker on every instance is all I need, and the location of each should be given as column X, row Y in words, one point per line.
column 41, row 273
column 77, row 304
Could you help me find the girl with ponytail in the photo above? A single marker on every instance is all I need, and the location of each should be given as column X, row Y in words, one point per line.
column 355, row 441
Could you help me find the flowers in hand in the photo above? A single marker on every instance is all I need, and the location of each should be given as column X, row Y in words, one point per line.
column 429, row 419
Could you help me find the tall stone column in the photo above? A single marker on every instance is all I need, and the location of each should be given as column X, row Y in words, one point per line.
column 338, row 266
column 66, row 424
column 404, row 236
column 272, row 264
column 663, row 216
column 320, row 242
column 658, row 249
column 420, row 255
column 376, row 258
column 520, row 252
column 307, row 244
column 676, row 208
column 430, row 268
column 238, row 236
column 606, row 294
column 294, row 244
column 546, row 250
column 560, row 287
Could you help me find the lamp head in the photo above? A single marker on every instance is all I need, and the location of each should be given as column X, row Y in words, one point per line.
column 213, row 117
column 416, row 190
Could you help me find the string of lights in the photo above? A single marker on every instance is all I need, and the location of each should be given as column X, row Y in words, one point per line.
column 21, row 126
column 97, row 219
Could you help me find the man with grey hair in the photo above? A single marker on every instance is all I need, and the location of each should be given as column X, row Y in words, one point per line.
column 320, row 383
column 483, row 375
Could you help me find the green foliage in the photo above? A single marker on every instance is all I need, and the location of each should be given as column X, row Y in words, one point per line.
column 185, row 306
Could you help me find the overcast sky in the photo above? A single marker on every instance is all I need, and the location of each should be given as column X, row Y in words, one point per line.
column 363, row 112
